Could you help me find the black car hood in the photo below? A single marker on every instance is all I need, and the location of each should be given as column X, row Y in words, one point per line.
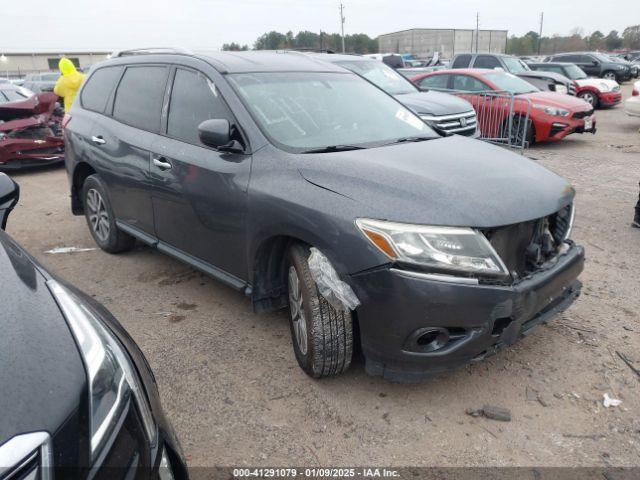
column 452, row 181
column 42, row 375
column 557, row 77
column 434, row 103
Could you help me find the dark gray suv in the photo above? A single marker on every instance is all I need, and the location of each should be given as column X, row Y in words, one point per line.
column 306, row 187
column 595, row 64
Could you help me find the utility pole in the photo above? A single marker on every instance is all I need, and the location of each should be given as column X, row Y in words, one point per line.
column 477, row 29
column 342, row 25
column 540, row 34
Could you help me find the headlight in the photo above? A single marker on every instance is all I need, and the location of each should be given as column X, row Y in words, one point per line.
column 556, row 112
column 561, row 89
column 604, row 87
column 112, row 378
column 443, row 248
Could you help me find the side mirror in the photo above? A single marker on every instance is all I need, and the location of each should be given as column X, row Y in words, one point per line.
column 596, row 62
column 215, row 132
column 9, row 195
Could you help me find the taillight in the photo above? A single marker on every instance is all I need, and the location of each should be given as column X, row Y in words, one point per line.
column 635, row 92
column 65, row 120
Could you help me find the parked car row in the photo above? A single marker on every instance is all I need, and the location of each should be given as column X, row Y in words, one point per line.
column 598, row 65
column 551, row 116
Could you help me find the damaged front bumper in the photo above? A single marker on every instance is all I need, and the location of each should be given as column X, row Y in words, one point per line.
column 414, row 325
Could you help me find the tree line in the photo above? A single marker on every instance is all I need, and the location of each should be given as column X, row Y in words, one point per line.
column 575, row 41
column 306, row 40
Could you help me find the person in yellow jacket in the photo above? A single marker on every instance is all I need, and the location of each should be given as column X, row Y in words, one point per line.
column 69, row 83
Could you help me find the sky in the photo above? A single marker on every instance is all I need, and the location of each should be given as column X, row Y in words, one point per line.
column 61, row 25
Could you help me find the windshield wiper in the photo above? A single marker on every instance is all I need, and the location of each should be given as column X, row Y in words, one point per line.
column 410, row 139
column 334, row 148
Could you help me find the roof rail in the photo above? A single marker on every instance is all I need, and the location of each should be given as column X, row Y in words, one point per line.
column 148, row 51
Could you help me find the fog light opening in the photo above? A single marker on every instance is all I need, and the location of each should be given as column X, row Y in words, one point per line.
column 500, row 325
column 432, row 339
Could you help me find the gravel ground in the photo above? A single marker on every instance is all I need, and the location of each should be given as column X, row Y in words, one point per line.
column 232, row 388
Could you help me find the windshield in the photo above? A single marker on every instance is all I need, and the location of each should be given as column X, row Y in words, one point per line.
column 574, row 72
column 510, row 83
column 50, row 77
column 307, row 110
column 515, row 65
column 382, row 76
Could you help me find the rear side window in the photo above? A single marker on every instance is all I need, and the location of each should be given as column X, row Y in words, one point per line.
column 194, row 99
column 435, row 81
column 461, row 61
column 139, row 97
column 468, row 84
column 98, row 88
column 486, row 61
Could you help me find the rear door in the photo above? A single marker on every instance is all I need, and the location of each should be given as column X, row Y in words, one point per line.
column 200, row 193
column 122, row 143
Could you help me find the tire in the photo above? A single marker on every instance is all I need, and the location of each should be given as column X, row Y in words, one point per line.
column 516, row 136
column 589, row 97
column 609, row 75
column 322, row 336
column 100, row 218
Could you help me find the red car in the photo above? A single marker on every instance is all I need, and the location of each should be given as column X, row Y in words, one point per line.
column 30, row 133
column 552, row 115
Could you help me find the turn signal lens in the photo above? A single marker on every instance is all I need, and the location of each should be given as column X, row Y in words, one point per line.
column 380, row 242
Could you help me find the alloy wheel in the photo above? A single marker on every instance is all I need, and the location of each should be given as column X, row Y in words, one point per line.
column 589, row 98
column 609, row 76
column 296, row 305
column 98, row 215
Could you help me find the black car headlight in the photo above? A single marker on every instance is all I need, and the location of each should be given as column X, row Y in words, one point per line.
column 454, row 249
column 113, row 380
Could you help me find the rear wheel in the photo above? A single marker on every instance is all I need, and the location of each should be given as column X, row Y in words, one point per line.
column 322, row 336
column 589, row 97
column 100, row 218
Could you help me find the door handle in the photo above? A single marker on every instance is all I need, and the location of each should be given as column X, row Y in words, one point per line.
column 162, row 163
column 98, row 140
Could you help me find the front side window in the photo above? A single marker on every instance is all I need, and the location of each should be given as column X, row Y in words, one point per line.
column 510, row 83
column 440, row 82
column 466, row 83
column 194, row 99
column 381, row 75
column 486, row 61
column 98, row 88
column 461, row 61
column 302, row 111
column 139, row 97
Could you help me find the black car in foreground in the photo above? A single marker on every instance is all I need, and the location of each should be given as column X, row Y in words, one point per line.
column 301, row 184
column 78, row 399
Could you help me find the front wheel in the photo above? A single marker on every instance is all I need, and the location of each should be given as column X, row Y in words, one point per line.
column 322, row 336
column 100, row 217
column 609, row 75
column 589, row 97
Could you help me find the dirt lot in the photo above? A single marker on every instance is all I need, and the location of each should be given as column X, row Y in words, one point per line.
column 231, row 386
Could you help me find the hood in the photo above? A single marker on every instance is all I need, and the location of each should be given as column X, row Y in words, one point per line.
column 597, row 83
column 453, row 181
column 35, row 105
column 42, row 374
column 434, row 103
column 557, row 77
column 559, row 100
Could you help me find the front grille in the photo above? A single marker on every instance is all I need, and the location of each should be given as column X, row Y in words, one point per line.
column 586, row 113
column 527, row 246
column 26, row 456
column 460, row 123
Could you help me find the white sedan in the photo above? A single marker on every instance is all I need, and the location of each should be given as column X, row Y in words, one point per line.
column 632, row 104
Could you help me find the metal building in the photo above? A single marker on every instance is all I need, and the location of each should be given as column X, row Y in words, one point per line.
column 16, row 63
column 424, row 42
